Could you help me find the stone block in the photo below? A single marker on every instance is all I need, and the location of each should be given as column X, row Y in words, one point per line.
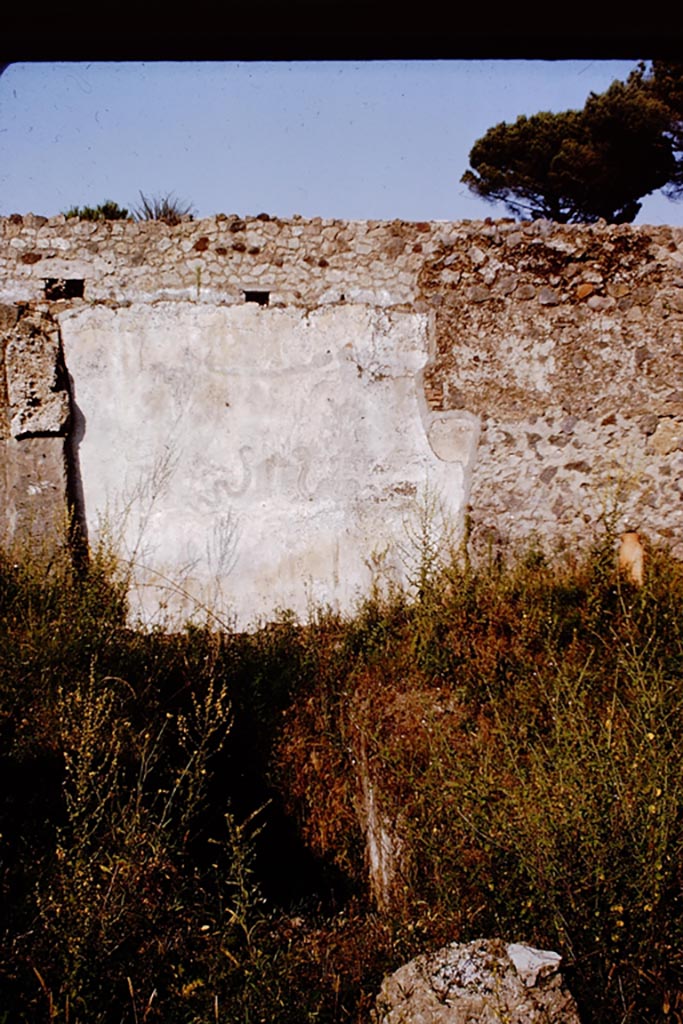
column 33, row 492
column 486, row 981
column 36, row 380
column 668, row 436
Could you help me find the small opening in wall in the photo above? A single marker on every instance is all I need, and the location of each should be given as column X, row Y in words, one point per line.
column 261, row 298
column 63, row 288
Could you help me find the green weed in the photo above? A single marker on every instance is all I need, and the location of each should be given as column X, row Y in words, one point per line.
column 108, row 210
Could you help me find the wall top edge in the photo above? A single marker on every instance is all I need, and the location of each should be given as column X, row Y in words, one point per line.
column 191, row 227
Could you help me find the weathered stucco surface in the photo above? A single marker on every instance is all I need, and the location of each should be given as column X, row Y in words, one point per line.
column 251, row 459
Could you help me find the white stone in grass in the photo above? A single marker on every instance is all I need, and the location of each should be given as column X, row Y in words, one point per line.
column 485, row 981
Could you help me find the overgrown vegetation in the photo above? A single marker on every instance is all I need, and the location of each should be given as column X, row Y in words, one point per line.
column 166, row 208
column 108, row 210
column 522, row 726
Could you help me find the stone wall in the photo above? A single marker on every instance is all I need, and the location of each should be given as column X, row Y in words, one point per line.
column 551, row 379
column 304, row 263
column 567, row 343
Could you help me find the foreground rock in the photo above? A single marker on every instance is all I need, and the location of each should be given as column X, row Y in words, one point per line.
column 486, row 981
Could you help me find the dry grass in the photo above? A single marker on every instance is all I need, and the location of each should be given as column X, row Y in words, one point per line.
column 521, row 729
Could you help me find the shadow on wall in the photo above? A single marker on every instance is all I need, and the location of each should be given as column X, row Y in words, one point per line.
column 74, row 481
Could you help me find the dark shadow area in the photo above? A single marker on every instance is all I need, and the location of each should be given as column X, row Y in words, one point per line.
column 288, row 874
column 78, row 527
column 63, row 288
column 260, row 298
column 304, row 30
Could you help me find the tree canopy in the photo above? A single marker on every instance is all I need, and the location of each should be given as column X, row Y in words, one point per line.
column 665, row 82
column 583, row 165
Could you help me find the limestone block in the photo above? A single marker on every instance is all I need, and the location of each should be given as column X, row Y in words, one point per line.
column 600, row 302
column 36, row 383
column 63, row 267
column 33, row 491
column 8, row 317
column 454, row 436
column 668, row 436
column 384, row 848
column 478, row 293
column 485, row 981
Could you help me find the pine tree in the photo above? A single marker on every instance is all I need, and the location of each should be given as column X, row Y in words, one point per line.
column 583, row 165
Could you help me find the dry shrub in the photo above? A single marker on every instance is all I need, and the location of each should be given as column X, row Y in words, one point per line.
column 166, row 208
column 315, row 772
column 117, row 900
column 522, row 725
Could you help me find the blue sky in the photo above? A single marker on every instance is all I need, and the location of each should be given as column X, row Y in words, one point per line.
column 354, row 140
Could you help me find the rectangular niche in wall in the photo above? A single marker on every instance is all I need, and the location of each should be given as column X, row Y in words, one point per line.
column 260, row 298
column 63, row 288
